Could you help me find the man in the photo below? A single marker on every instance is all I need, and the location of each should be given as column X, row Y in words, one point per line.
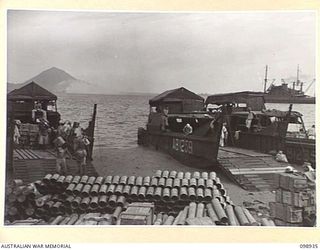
column 80, row 144
column 224, row 135
column 249, row 118
column 312, row 132
column 62, row 152
column 43, row 133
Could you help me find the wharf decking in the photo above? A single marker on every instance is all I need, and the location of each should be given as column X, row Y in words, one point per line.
column 252, row 170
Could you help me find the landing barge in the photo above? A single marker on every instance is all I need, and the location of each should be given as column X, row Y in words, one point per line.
column 170, row 114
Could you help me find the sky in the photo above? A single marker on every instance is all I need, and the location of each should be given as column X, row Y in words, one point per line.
column 206, row 52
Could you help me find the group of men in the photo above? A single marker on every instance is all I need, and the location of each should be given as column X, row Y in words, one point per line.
column 71, row 138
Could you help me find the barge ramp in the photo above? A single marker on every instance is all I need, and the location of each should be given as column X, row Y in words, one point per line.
column 253, row 171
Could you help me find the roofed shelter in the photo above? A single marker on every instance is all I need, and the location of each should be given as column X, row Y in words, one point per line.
column 254, row 100
column 22, row 101
column 180, row 100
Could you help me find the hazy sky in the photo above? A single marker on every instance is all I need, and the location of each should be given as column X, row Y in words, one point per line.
column 152, row 52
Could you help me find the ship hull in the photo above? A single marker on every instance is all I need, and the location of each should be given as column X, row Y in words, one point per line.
column 302, row 100
column 195, row 151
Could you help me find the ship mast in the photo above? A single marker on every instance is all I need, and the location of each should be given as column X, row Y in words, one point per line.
column 265, row 80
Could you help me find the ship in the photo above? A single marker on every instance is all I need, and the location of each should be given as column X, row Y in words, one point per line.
column 25, row 160
column 288, row 93
column 170, row 113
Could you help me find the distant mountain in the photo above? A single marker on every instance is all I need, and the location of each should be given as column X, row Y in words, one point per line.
column 57, row 81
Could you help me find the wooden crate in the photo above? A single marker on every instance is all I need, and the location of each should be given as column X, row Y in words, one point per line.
column 286, row 212
column 138, row 213
column 292, row 182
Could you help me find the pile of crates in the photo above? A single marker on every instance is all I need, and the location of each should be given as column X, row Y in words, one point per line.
column 295, row 201
column 29, row 134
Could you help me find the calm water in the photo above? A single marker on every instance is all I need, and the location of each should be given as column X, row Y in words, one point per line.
column 119, row 116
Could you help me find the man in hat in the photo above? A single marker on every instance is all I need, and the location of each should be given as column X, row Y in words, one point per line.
column 16, row 133
column 43, row 133
column 80, row 144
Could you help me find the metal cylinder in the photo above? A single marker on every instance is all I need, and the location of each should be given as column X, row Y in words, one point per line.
column 201, row 183
column 55, row 198
column 139, row 181
column 180, row 175
column 169, row 220
column 150, row 192
column 61, row 180
column 57, row 208
column 192, row 210
column 207, row 194
column 183, row 216
column 118, row 190
column 116, row 214
column 84, row 204
column 158, row 193
column 142, row 192
column 77, row 190
column 99, row 180
column 158, row 219
column 212, row 175
column 86, row 190
column 39, row 202
column 121, row 201
column 250, row 218
column 57, row 220
column 70, row 188
column 91, row 180
column 154, row 182
column 46, row 179
column 196, row 175
column 209, row 183
column 187, row 175
column 94, row 190
column 165, row 174
column 184, row 193
column 116, row 179
column 212, row 214
column 123, row 180
column 134, row 192
column 204, row 175
column 54, row 178
column 200, row 194
column 132, row 180
column 174, row 194
column 111, row 189
column 218, row 183
column 185, row 183
column 76, row 202
column 222, row 190
column 102, row 201
column 172, row 174
column 108, row 179
column 166, row 194
column 67, row 181
column 126, row 190
column 113, row 200
column 200, row 210
column 216, row 193
column 243, row 220
column 94, row 202
column 67, row 202
column 84, row 179
column 161, row 182
column 146, row 181
column 103, row 189
column 176, row 183
column 219, row 211
column 158, row 174
column 169, row 183
column 193, row 182
column 231, row 215
column 192, row 193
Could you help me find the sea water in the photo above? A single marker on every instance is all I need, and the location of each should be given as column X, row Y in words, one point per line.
column 119, row 116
